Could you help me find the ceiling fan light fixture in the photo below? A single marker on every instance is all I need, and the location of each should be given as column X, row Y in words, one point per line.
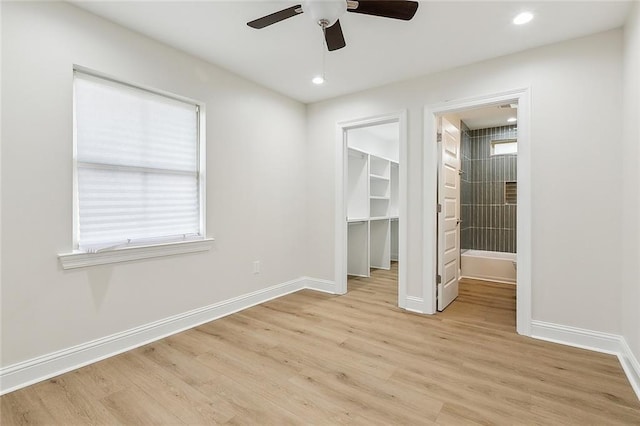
column 324, row 10
column 327, row 13
column 523, row 18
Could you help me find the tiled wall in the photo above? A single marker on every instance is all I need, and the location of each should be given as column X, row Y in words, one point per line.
column 487, row 222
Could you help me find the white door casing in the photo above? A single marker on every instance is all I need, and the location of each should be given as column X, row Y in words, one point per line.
column 449, row 214
column 521, row 96
column 340, row 257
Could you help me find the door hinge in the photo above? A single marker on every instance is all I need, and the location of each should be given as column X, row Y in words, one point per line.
column 439, row 209
column 438, row 279
column 439, row 137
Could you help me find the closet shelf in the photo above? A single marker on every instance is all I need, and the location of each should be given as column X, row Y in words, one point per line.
column 372, row 199
column 372, row 176
column 357, row 219
column 356, row 153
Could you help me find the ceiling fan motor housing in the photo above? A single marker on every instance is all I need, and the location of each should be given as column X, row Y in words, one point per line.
column 322, row 11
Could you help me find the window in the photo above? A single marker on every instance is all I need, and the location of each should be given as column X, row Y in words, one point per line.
column 138, row 169
column 504, row 146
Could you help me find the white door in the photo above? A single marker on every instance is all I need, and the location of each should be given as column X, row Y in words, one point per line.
column 449, row 213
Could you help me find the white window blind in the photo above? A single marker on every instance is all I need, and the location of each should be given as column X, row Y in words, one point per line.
column 137, row 159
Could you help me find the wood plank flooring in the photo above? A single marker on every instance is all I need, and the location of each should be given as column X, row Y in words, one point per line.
column 313, row 358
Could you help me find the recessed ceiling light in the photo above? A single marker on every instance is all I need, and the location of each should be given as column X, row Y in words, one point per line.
column 523, row 18
column 512, row 120
column 318, row 79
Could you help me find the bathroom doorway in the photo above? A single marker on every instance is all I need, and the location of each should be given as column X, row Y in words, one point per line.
column 492, row 240
column 477, row 192
column 489, row 193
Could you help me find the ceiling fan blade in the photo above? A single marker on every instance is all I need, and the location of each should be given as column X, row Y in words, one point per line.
column 334, row 37
column 275, row 17
column 396, row 9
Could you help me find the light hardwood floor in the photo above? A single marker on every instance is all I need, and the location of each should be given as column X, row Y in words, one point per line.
column 312, row 358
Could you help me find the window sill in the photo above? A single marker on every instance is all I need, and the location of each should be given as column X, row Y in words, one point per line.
column 80, row 259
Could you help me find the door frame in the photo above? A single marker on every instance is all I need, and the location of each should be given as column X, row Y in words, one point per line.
column 343, row 127
column 523, row 227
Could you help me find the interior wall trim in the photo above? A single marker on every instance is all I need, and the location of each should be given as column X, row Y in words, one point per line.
column 630, row 365
column 325, row 286
column 22, row 374
column 577, row 337
column 414, row 304
column 592, row 340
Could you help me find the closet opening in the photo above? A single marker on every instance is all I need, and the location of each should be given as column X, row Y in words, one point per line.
column 372, row 199
column 373, row 196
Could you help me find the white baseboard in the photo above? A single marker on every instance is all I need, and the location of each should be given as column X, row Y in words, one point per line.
column 493, row 280
column 414, row 304
column 578, row 337
column 592, row 340
column 28, row 372
column 317, row 284
column 630, row 365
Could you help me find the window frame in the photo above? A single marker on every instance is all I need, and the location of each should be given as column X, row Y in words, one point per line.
column 141, row 250
column 509, row 141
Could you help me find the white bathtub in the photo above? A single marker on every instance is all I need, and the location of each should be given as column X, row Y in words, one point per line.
column 489, row 265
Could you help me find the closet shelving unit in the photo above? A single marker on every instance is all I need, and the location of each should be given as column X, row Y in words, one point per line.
column 372, row 212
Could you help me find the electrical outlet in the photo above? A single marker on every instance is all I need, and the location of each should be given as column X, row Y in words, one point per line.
column 256, row 267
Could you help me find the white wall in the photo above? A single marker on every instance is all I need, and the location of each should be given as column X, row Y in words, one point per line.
column 575, row 131
column 255, row 193
column 631, row 184
column 260, row 197
column 382, row 140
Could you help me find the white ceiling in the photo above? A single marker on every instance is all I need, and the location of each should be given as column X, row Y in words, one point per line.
column 285, row 56
column 487, row 117
column 388, row 132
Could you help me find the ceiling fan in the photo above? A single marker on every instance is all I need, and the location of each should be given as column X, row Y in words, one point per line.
column 327, row 12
